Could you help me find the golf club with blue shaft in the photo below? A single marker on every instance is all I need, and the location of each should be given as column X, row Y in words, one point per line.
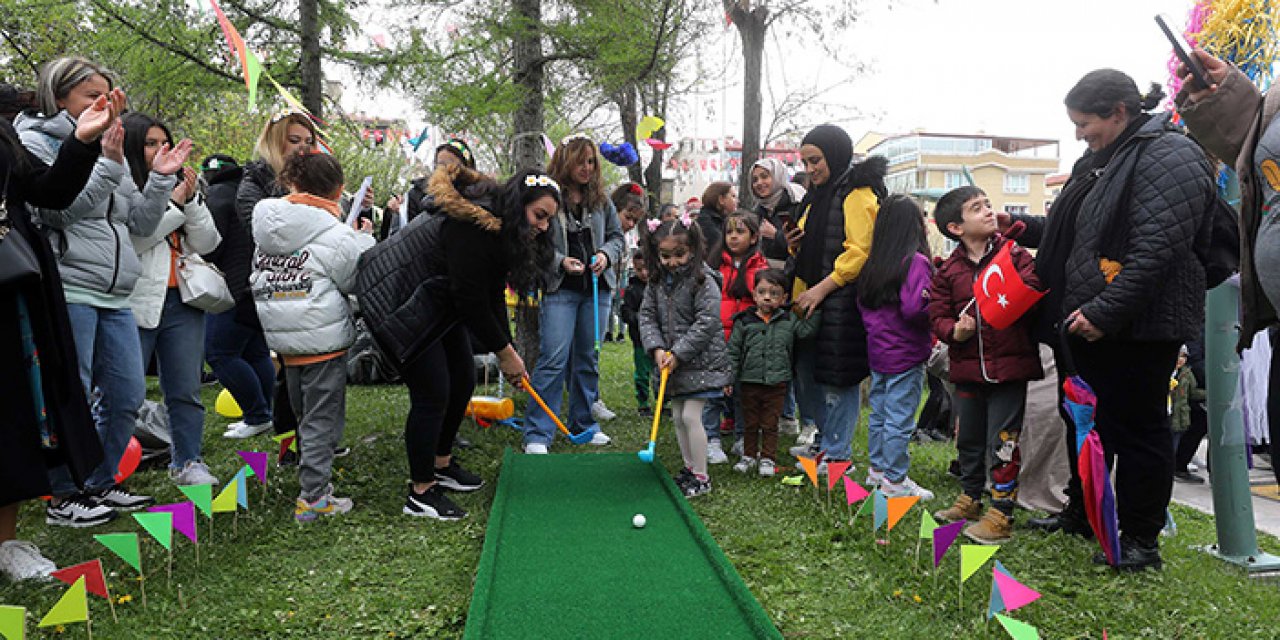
column 646, row 455
column 578, row 438
column 595, row 300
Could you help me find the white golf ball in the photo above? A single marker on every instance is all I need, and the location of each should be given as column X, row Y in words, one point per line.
column 637, row 521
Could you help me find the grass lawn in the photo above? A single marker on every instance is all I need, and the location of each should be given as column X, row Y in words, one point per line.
column 378, row 574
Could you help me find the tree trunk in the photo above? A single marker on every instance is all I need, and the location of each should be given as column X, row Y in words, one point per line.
column 751, row 24
column 630, row 118
column 312, row 75
column 527, row 150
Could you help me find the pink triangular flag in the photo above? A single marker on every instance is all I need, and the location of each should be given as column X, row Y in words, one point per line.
column 1014, row 593
column 836, row 470
column 184, row 518
column 853, row 492
column 943, row 538
column 257, row 461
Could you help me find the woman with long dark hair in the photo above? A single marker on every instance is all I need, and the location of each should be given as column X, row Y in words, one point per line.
column 1133, row 285
column 33, row 320
column 428, row 289
column 166, row 326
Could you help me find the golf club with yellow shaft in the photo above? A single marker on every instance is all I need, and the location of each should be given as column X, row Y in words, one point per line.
column 646, row 455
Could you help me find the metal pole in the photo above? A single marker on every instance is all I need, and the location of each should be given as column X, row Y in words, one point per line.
column 1232, row 502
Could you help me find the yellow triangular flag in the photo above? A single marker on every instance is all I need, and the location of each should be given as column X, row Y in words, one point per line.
column 73, row 606
column 13, row 622
column 810, row 469
column 973, row 556
column 226, row 501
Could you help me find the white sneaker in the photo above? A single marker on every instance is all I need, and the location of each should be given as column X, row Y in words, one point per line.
column 194, row 472
column 600, row 439
column 874, row 478
column 736, row 449
column 1192, row 467
column 807, row 434
column 600, row 412
column 535, row 448
column 715, row 455
column 788, row 426
column 22, row 560
column 745, row 465
column 767, row 468
column 803, row 451
column 907, row 487
column 79, row 510
column 242, row 430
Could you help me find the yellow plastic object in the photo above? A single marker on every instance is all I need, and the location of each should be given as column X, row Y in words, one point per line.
column 491, row 408
column 226, row 406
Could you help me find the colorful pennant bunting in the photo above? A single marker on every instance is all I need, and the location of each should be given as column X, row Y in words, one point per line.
column 73, row 606
column 124, row 545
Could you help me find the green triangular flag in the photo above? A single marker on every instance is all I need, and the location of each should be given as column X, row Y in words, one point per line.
column 124, row 545
column 200, row 495
column 13, row 622
column 927, row 525
column 159, row 525
column 73, row 606
column 1018, row 630
column 226, row 501
column 973, row 556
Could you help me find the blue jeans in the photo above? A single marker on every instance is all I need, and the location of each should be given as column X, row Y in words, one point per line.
column 178, row 342
column 833, row 409
column 110, row 359
column 894, row 400
column 568, row 357
column 239, row 356
column 727, row 407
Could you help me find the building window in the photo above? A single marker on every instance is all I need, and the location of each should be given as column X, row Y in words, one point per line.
column 1017, row 183
column 954, row 179
column 1017, row 209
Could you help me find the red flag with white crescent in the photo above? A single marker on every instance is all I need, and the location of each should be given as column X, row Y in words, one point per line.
column 1001, row 295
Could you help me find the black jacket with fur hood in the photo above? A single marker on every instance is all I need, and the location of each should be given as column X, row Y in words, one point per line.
column 439, row 271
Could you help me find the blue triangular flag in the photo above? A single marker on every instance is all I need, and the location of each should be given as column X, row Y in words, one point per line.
column 881, row 509
column 242, row 493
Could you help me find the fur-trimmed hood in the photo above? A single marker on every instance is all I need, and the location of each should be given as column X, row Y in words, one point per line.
column 868, row 173
column 445, row 195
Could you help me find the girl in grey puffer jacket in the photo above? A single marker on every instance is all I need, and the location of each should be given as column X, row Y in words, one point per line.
column 680, row 327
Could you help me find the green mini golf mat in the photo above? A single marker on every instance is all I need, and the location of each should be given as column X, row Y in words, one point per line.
column 561, row 559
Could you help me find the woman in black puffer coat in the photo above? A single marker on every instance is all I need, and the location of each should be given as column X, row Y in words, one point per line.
column 1135, row 289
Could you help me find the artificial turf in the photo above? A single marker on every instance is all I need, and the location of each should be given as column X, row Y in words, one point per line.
column 561, row 558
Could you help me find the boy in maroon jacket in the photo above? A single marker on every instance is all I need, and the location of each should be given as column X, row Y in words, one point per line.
column 990, row 368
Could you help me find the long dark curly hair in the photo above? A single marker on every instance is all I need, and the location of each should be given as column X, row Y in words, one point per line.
column 528, row 252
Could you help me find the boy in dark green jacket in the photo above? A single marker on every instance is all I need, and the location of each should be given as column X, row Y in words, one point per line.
column 760, row 349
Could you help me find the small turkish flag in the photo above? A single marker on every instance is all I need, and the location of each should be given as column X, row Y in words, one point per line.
column 94, row 580
column 1001, row 294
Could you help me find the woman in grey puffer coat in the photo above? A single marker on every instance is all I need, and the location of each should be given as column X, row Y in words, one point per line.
column 680, row 327
column 99, row 267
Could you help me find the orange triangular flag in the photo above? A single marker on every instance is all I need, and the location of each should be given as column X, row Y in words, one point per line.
column 899, row 507
column 810, row 469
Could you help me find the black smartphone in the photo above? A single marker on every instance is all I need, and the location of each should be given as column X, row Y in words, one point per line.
column 785, row 218
column 1182, row 49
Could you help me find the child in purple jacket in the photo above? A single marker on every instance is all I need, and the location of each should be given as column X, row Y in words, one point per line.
column 893, row 295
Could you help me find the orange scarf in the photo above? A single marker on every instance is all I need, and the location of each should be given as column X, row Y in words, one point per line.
column 316, row 201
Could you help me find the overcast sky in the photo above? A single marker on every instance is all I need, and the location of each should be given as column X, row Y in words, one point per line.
column 953, row 66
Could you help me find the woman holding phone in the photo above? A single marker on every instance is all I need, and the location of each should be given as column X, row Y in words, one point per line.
column 776, row 201
column 1235, row 122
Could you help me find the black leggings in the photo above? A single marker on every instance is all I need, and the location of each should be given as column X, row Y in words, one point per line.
column 440, row 383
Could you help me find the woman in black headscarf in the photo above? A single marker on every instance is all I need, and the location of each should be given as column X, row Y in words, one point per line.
column 831, row 243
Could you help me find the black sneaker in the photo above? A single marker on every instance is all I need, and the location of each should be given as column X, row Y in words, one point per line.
column 118, row 498
column 455, row 478
column 432, row 503
column 682, row 479
column 1135, row 555
column 697, row 487
column 289, row 459
column 341, row 452
column 79, row 510
column 1187, row 477
column 461, row 443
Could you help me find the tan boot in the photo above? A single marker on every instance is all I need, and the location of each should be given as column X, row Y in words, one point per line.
column 993, row 528
column 965, row 508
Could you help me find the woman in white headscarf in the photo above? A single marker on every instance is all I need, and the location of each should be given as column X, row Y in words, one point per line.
column 777, row 198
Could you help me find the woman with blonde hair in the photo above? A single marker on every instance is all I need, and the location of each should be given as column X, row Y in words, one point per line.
column 587, row 239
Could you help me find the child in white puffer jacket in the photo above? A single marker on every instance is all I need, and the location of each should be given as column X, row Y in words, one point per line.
column 303, row 268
